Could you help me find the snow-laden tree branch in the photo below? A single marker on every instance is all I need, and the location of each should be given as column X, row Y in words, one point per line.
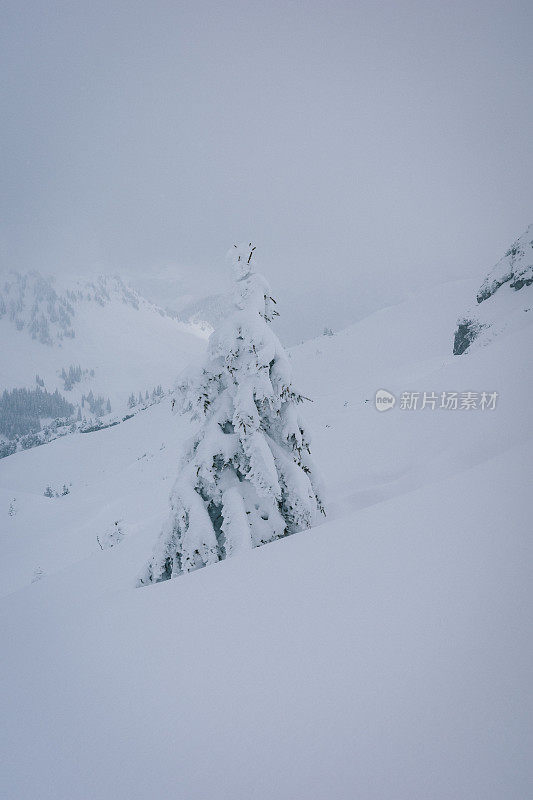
column 247, row 477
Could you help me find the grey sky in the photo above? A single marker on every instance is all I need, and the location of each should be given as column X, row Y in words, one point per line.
column 355, row 142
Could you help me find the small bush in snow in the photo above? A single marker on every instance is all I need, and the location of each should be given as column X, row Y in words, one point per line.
column 38, row 574
column 112, row 536
column 50, row 492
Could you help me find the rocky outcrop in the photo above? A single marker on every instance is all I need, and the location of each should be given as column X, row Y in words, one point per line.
column 515, row 268
column 467, row 330
column 497, row 306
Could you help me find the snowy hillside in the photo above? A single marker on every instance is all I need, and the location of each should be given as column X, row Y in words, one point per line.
column 504, row 300
column 96, row 342
column 384, row 654
column 178, row 294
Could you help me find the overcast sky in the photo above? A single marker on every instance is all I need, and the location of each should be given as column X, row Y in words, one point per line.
column 352, row 141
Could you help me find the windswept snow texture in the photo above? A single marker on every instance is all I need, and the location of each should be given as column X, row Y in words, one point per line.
column 501, row 305
column 383, row 655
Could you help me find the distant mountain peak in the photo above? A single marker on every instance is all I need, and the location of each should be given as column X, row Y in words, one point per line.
column 31, row 302
column 35, row 304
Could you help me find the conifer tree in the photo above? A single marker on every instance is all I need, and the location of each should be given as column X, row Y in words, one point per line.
column 247, row 477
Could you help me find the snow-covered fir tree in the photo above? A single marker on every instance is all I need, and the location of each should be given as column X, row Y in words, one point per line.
column 247, row 477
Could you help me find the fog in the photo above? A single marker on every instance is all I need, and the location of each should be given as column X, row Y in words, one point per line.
column 366, row 147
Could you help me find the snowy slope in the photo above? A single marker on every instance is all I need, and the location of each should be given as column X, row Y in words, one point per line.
column 128, row 343
column 382, row 655
column 406, row 349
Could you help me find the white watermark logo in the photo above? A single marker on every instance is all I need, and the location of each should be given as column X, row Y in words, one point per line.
column 384, row 400
column 448, row 401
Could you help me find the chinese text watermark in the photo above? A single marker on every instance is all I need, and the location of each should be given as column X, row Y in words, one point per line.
column 448, row 401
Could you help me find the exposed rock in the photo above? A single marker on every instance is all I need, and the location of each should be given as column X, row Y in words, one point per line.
column 467, row 330
column 498, row 307
column 515, row 268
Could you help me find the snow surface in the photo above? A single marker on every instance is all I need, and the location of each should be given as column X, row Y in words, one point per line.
column 384, row 654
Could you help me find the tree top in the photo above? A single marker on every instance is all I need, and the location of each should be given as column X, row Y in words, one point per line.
column 241, row 258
